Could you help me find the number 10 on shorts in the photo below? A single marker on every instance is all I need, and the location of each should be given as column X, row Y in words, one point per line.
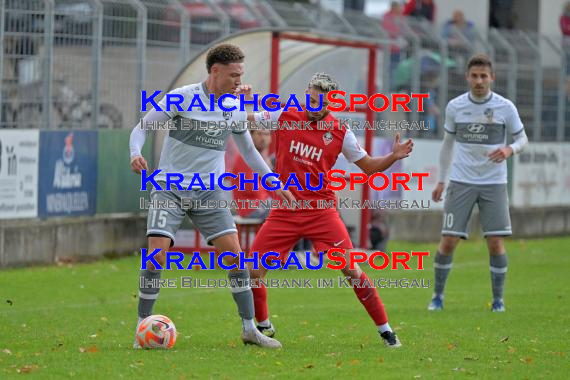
column 448, row 219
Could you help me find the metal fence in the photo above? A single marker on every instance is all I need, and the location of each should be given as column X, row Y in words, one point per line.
column 83, row 63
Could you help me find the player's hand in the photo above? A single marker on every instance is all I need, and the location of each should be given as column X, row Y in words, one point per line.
column 285, row 195
column 245, row 89
column 501, row 154
column 138, row 163
column 402, row 150
column 438, row 192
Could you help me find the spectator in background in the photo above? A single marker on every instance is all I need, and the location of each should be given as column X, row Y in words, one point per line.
column 421, row 9
column 391, row 24
column 458, row 24
column 261, row 140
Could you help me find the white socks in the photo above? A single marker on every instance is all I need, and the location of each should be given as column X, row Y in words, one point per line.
column 385, row 327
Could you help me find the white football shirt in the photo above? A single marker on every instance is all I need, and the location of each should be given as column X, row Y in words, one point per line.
column 479, row 129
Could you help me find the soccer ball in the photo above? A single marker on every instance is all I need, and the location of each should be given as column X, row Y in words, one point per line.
column 156, row 331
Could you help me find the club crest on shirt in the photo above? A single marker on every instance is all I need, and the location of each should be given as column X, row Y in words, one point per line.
column 327, row 138
column 227, row 115
column 489, row 114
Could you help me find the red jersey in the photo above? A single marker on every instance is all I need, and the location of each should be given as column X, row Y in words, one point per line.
column 315, row 151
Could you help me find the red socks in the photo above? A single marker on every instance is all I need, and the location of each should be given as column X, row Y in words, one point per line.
column 369, row 298
column 260, row 302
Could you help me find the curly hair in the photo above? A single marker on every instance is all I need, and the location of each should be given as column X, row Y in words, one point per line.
column 323, row 82
column 224, row 54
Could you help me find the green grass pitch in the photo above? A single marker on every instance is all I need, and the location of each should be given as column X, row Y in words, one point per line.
column 79, row 320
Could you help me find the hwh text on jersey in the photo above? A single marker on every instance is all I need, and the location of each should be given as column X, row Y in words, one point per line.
column 307, row 151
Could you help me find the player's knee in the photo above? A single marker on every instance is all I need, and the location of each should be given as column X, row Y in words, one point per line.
column 352, row 273
column 448, row 244
column 162, row 243
column 495, row 245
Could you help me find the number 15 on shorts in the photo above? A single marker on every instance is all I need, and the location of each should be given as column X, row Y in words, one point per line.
column 160, row 215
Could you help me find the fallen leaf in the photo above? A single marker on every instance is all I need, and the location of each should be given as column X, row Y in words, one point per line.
column 472, row 358
column 503, row 340
column 7, row 351
column 451, row 346
column 338, row 364
column 355, row 362
column 511, row 350
column 93, row 336
column 309, row 366
column 380, row 360
column 526, row 360
column 27, row 368
column 88, row 349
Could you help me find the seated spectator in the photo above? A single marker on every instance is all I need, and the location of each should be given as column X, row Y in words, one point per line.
column 421, row 9
column 455, row 26
column 391, row 24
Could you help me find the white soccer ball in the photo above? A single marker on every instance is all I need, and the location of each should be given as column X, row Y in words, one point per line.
column 156, row 331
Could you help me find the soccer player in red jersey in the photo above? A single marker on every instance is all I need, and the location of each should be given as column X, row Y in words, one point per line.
column 315, row 152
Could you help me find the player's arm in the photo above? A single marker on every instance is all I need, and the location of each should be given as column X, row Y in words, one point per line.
column 371, row 165
column 445, row 156
column 265, row 116
column 515, row 126
column 446, row 152
column 138, row 137
column 255, row 161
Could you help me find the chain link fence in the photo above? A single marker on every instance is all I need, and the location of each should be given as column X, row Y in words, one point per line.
column 83, row 63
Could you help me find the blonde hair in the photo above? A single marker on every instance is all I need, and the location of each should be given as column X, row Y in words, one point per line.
column 323, row 82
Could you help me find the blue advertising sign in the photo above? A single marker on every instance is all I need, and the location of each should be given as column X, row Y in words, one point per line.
column 68, row 173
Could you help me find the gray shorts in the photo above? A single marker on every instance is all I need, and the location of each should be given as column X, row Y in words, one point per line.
column 493, row 203
column 211, row 222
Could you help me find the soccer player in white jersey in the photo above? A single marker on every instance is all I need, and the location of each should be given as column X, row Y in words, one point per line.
column 189, row 150
column 475, row 147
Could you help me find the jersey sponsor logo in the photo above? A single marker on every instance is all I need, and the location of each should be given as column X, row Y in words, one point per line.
column 476, row 128
column 480, row 133
column 209, row 140
column 327, row 138
column 305, row 150
column 214, row 132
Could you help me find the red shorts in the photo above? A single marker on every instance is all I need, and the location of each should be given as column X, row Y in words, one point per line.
column 282, row 229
